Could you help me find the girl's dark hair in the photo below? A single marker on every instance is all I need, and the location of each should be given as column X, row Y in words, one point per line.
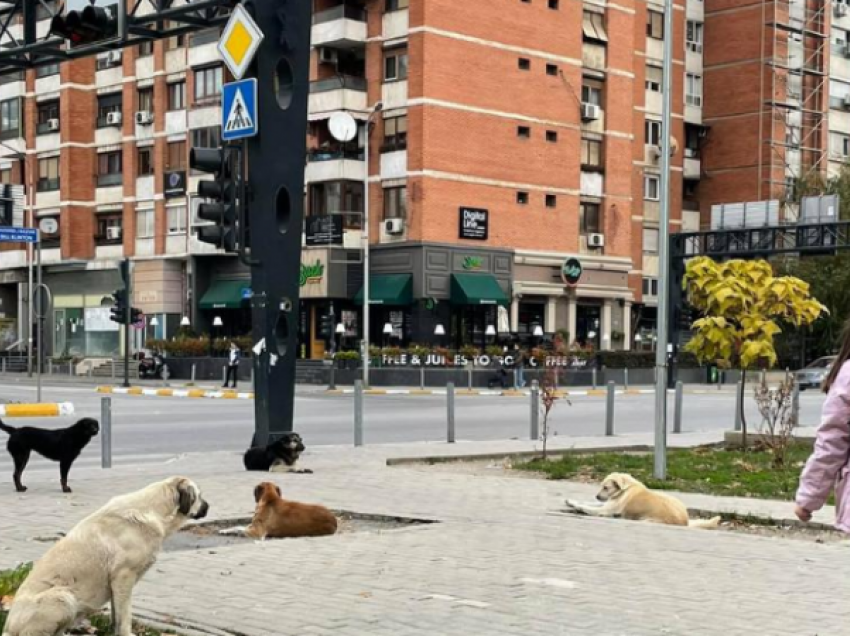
column 843, row 356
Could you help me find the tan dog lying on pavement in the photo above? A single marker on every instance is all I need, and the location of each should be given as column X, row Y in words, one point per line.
column 624, row 496
column 276, row 518
column 101, row 560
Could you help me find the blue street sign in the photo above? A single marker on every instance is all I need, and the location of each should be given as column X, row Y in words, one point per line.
column 239, row 110
column 18, row 235
column 247, row 294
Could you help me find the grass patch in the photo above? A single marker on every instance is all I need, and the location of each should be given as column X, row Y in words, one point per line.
column 11, row 580
column 708, row 470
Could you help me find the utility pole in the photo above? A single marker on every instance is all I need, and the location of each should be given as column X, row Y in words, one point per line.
column 661, row 370
column 126, row 275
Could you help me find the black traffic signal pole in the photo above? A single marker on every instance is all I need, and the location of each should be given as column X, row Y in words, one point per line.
column 128, row 290
column 276, row 172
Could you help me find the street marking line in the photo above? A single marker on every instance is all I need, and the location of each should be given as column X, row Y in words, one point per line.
column 180, row 393
column 37, row 410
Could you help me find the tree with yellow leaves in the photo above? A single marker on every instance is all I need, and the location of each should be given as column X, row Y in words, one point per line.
column 743, row 305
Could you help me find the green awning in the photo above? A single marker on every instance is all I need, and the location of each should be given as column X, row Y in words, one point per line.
column 477, row 289
column 226, row 294
column 388, row 289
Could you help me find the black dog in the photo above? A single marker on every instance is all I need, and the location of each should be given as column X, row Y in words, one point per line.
column 279, row 456
column 63, row 446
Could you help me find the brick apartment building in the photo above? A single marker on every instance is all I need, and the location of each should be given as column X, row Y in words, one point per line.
column 541, row 118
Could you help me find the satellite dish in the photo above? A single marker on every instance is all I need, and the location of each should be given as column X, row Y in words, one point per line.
column 48, row 226
column 342, row 126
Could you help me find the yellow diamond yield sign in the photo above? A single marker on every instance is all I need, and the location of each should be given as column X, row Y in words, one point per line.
column 239, row 41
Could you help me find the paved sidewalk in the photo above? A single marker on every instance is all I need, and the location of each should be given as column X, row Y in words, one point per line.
column 498, row 563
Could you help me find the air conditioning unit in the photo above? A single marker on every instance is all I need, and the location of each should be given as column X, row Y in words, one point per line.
column 655, row 153
column 113, row 233
column 840, row 9
column 144, row 118
column 113, row 119
column 113, row 58
column 589, row 112
column 846, row 102
column 52, row 124
column 394, row 226
column 328, row 56
column 596, row 240
column 695, row 47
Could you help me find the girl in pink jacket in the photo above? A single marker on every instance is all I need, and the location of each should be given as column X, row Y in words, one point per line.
column 829, row 464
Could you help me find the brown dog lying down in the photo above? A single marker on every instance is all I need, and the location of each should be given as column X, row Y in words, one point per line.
column 276, row 518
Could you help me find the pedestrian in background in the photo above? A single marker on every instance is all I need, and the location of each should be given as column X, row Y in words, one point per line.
column 829, row 464
column 519, row 367
column 232, row 364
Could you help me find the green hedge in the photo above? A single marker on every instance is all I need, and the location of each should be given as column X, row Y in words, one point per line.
column 641, row 360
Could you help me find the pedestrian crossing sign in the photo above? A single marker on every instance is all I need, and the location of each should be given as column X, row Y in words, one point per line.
column 239, row 110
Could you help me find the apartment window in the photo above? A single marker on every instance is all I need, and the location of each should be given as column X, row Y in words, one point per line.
column 10, row 118
column 47, row 70
column 109, row 228
column 693, row 90
column 693, row 36
column 654, row 78
column 207, row 83
column 144, row 161
column 553, row 4
column 6, row 176
column 48, row 174
column 524, row 64
column 395, row 133
column 593, row 27
column 176, row 219
column 109, row 169
column 338, row 197
column 692, row 141
column 47, row 115
column 146, row 48
column 523, row 132
column 651, row 187
column 175, row 160
column 551, row 69
column 652, row 132
column 591, row 92
column 655, row 25
column 650, row 240
column 839, row 145
column 395, row 66
column 177, row 96
column 396, row 5
column 522, row 198
column 146, row 100
column 590, row 219
column 107, row 104
column 650, row 286
column 145, row 224
column 552, row 136
column 551, row 201
column 176, row 41
column 395, row 203
column 591, row 153
column 206, row 137
column 839, row 94
column 839, row 40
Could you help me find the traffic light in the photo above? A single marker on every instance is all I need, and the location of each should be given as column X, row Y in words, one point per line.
column 118, row 313
column 222, row 206
column 135, row 316
column 92, row 25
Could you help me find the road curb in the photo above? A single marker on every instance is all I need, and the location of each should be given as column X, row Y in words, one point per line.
column 523, row 454
column 178, row 393
column 37, row 410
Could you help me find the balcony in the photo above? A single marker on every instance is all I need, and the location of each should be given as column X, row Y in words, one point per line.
column 342, row 27
column 691, row 165
column 335, row 164
column 344, row 92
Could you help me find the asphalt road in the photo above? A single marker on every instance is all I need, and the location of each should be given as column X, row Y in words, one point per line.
column 154, row 429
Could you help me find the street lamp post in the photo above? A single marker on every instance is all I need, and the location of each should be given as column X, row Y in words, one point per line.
column 366, row 357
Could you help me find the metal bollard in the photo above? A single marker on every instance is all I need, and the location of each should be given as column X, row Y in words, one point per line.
column 763, row 376
column 113, row 370
column 193, row 374
column 593, row 371
column 795, row 404
column 535, row 410
column 331, row 382
column 677, row 413
column 609, row 410
column 4, row 365
column 422, row 378
column 106, row 432
column 738, row 423
column 469, row 381
column 450, row 414
column 223, row 375
column 71, row 369
column 358, row 412
column 50, row 367
column 626, row 378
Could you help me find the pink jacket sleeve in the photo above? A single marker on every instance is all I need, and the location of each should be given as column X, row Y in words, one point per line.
column 832, row 446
